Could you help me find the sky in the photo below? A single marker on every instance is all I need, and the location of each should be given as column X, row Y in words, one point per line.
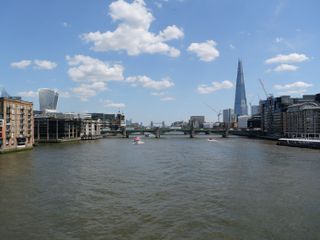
column 160, row 60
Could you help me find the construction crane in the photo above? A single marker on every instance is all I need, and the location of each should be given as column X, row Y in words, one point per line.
column 264, row 89
column 218, row 113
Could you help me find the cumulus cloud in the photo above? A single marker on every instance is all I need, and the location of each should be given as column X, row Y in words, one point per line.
column 88, row 69
column 294, row 88
column 206, row 51
column 85, row 91
column 111, row 104
column 37, row 64
column 290, row 58
column 285, row 68
column 132, row 34
column 215, row 86
column 147, row 82
column 92, row 74
column 44, row 64
column 21, row 64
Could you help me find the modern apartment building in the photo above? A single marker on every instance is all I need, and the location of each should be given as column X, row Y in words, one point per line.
column 16, row 124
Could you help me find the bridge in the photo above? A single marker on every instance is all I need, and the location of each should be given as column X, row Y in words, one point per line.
column 157, row 131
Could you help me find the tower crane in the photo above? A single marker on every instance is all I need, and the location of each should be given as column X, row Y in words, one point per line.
column 218, row 113
column 264, row 89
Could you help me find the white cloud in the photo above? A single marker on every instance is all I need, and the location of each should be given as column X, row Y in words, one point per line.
column 290, row 58
column 88, row 69
column 30, row 94
column 295, row 88
column 37, row 64
column 21, row 64
column 85, row 91
column 165, row 99
column 111, row 104
column 147, row 82
column 285, row 68
column 132, row 34
column 206, row 51
column 44, row 64
column 215, row 86
column 92, row 74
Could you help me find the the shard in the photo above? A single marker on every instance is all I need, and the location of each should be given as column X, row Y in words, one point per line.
column 240, row 102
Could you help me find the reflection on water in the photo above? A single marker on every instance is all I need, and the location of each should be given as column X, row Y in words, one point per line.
column 168, row 188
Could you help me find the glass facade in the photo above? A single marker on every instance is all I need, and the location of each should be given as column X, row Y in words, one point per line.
column 48, row 99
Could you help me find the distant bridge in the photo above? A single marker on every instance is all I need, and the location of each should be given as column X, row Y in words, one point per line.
column 157, row 131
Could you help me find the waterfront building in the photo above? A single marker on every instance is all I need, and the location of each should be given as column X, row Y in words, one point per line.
column 254, row 123
column 302, row 120
column 198, row 121
column 243, row 121
column 90, row 128
column 255, row 110
column 105, row 120
column 57, row 127
column 276, row 119
column 228, row 116
column 240, row 102
column 272, row 114
column 48, row 99
column 16, row 123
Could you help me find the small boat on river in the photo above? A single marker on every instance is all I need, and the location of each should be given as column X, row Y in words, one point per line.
column 212, row 140
column 137, row 140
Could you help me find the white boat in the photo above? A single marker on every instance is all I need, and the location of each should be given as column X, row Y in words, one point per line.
column 212, row 140
column 137, row 140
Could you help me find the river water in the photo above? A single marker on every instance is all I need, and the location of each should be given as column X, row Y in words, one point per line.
column 169, row 188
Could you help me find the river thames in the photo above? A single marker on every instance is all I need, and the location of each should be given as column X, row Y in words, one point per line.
column 169, row 188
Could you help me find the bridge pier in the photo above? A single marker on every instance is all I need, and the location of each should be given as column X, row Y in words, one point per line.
column 226, row 133
column 192, row 131
column 124, row 132
column 157, row 132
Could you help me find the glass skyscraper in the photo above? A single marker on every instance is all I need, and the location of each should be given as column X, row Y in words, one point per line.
column 240, row 102
column 48, row 99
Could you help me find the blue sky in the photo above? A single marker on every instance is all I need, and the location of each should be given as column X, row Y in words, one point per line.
column 158, row 60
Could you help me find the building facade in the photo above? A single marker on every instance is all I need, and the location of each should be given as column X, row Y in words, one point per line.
column 197, row 121
column 48, row 99
column 57, row 128
column 302, row 120
column 16, row 124
column 240, row 102
column 228, row 117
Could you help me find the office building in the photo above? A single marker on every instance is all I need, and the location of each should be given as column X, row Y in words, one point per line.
column 228, row 116
column 48, row 99
column 240, row 102
column 57, row 127
column 197, row 121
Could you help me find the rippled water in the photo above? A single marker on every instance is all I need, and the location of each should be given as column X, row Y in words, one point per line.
column 168, row 188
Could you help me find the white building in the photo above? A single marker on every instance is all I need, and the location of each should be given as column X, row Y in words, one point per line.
column 243, row 121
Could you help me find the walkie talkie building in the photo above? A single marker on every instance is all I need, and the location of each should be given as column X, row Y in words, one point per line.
column 240, row 102
column 48, row 99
